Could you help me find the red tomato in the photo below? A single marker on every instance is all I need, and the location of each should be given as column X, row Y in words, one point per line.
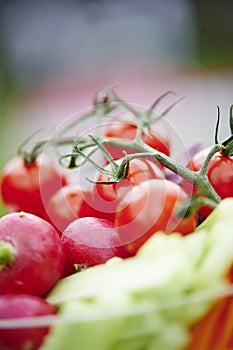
column 13, row 306
column 28, row 187
column 107, row 196
column 219, row 172
column 150, row 207
column 123, row 127
column 32, row 255
column 68, row 204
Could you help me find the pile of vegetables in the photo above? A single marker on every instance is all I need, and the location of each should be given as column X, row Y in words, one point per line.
column 137, row 258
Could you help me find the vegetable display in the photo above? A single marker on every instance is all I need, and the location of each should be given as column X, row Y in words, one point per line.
column 105, row 248
column 148, row 301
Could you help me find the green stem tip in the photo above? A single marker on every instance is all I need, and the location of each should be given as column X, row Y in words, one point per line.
column 7, row 254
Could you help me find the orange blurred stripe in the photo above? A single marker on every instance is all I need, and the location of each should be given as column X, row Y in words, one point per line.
column 215, row 330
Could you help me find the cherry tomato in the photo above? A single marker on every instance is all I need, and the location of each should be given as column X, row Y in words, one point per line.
column 68, row 204
column 150, row 207
column 28, row 187
column 123, row 126
column 219, row 172
column 23, row 306
column 32, row 255
column 107, row 196
column 90, row 241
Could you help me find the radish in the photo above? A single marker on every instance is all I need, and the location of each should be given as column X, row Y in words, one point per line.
column 21, row 307
column 90, row 241
column 32, row 258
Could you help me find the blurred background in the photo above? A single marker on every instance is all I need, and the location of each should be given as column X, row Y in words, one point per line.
column 54, row 55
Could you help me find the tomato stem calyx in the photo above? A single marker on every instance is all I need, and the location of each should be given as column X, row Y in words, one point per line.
column 117, row 173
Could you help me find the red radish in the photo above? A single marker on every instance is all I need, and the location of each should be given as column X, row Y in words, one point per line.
column 68, row 204
column 90, row 241
column 31, row 254
column 22, row 306
column 29, row 186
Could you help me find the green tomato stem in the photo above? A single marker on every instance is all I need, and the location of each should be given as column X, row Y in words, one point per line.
column 214, row 149
column 149, row 113
column 198, row 179
column 227, row 149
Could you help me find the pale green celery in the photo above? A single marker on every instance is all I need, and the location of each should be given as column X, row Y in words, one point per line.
column 121, row 327
column 147, row 302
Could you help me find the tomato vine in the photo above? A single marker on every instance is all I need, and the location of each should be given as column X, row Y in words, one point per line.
column 106, row 101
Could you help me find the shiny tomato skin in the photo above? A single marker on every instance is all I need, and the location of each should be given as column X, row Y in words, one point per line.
column 219, row 172
column 151, row 208
column 28, row 187
column 68, row 204
column 23, row 306
column 123, row 127
column 39, row 259
column 107, row 196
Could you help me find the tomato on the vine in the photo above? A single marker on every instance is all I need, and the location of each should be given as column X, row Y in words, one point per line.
column 124, row 127
column 29, row 186
column 151, row 207
column 107, row 196
column 219, row 172
column 68, row 204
